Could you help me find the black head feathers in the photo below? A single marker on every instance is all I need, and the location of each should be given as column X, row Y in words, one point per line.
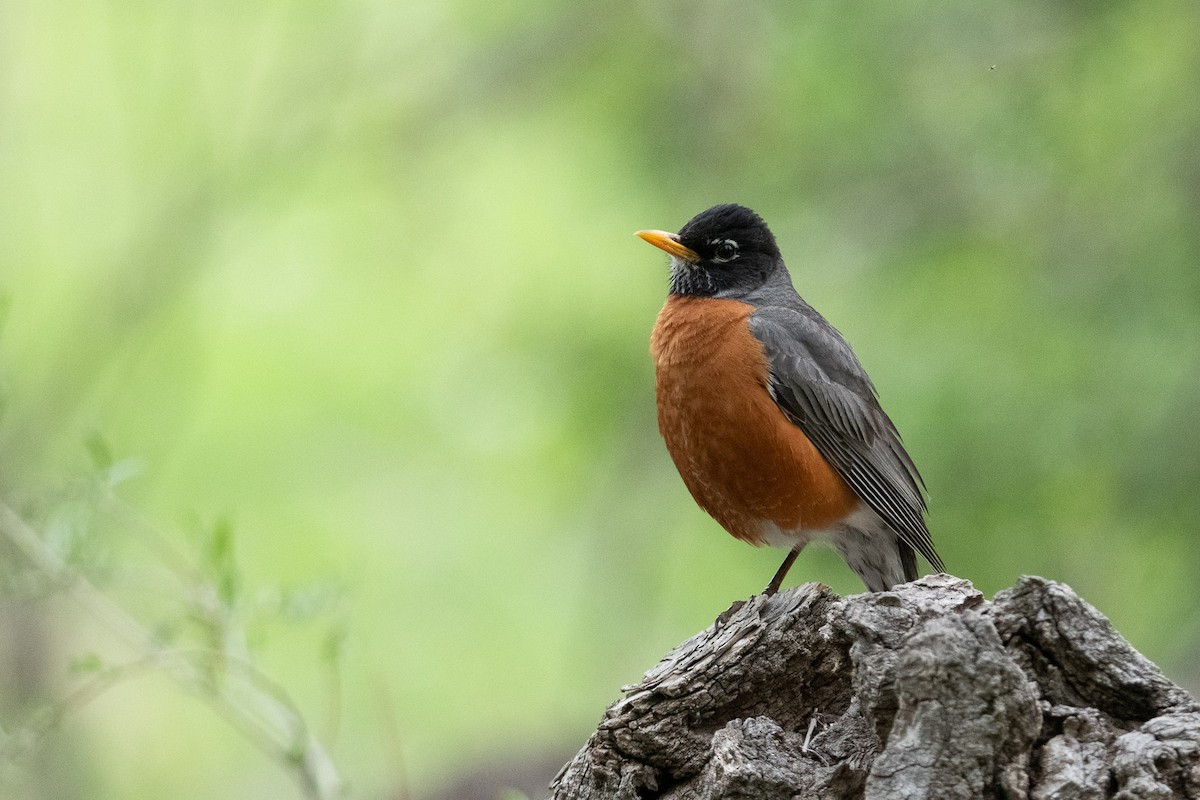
column 731, row 252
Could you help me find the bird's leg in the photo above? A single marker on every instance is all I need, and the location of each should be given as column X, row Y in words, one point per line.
column 771, row 589
column 782, row 572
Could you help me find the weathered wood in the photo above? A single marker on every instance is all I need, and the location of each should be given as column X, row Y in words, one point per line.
column 927, row 691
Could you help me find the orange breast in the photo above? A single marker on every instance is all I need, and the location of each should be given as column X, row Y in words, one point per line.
column 742, row 460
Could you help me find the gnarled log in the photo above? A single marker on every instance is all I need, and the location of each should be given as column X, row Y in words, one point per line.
column 926, row 691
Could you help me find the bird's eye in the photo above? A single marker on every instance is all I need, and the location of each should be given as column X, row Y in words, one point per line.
column 726, row 251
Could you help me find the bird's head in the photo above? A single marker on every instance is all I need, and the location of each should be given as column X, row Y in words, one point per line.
column 726, row 251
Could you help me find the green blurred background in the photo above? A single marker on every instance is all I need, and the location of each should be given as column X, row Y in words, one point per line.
column 360, row 278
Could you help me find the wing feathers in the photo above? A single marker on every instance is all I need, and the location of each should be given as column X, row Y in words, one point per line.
column 816, row 380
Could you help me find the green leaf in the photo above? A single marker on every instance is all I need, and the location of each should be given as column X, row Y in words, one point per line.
column 334, row 644
column 87, row 664
column 221, row 563
column 98, row 449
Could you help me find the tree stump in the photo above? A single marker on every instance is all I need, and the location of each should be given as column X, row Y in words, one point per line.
column 926, row 691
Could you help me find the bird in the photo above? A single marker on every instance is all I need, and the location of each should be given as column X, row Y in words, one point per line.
column 772, row 422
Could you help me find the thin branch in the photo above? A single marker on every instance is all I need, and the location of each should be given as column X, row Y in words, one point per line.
column 273, row 724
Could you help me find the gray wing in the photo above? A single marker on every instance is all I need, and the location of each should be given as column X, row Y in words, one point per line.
column 819, row 384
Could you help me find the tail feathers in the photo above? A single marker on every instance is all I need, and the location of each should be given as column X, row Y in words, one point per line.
column 908, row 560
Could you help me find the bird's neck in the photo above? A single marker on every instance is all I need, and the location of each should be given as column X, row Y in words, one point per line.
column 688, row 280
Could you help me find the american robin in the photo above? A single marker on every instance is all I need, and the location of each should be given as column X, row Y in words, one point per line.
column 770, row 419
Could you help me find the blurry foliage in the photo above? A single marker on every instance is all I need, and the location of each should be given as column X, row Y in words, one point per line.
column 157, row 616
column 361, row 276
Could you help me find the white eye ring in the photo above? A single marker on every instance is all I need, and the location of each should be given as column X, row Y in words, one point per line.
column 727, row 250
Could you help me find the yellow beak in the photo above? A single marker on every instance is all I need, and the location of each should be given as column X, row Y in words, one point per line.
column 670, row 243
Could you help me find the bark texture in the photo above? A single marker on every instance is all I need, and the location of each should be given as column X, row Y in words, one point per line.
column 926, row 691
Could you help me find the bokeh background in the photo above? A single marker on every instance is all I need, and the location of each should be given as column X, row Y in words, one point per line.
column 354, row 284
